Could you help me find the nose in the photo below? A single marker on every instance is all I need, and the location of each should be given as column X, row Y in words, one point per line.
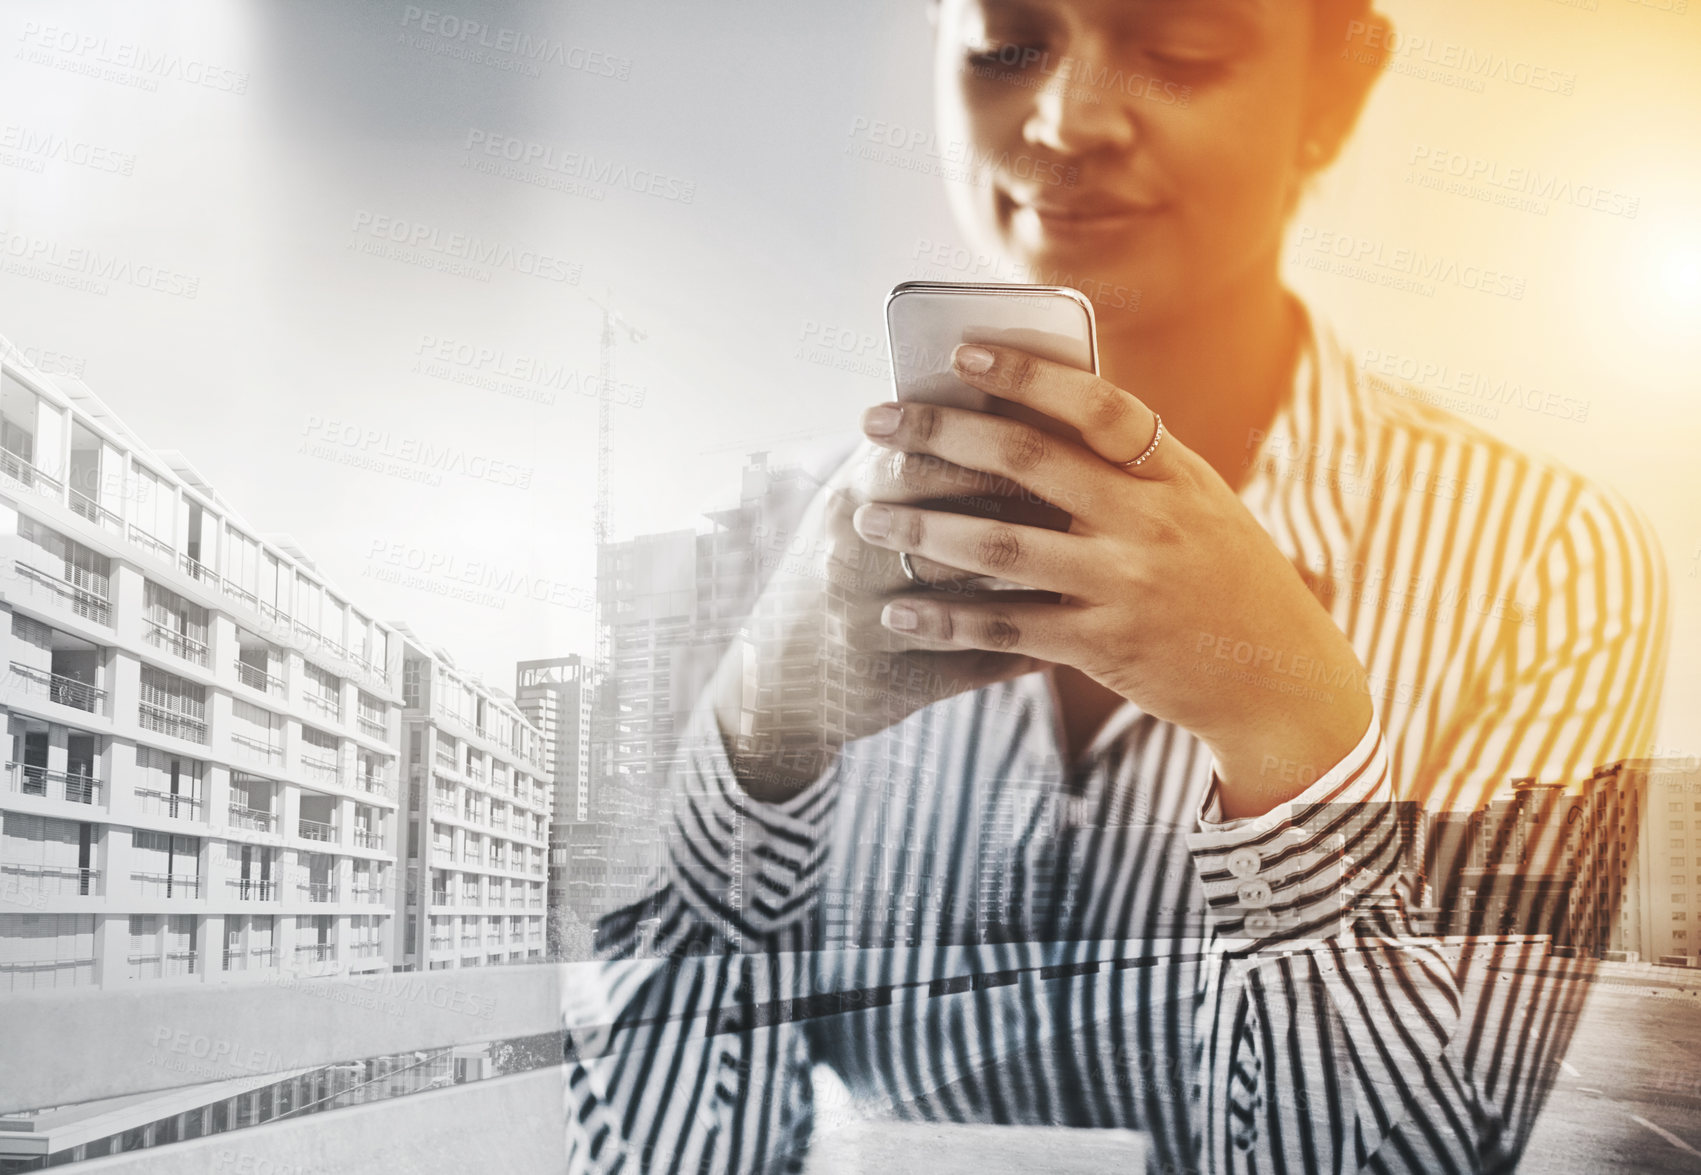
column 1074, row 114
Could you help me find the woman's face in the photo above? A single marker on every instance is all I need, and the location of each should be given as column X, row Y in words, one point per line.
column 1127, row 145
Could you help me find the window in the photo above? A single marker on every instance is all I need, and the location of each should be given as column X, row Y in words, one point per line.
column 44, row 857
column 170, row 705
column 165, row 864
column 1676, row 825
column 1679, row 916
column 46, row 950
column 175, row 624
column 324, row 691
column 257, row 728
column 170, row 785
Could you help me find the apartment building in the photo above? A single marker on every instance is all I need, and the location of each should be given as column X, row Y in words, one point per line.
column 555, row 695
column 477, row 813
column 201, row 776
column 1643, row 859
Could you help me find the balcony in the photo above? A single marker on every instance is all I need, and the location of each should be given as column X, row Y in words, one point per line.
column 81, row 601
column 315, row 952
column 440, row 898
column 319, row 891
column 375, row 784
column 258, row 748
column 252, row 889
column 172, row 963
column 316, row 830
column 256, row 678
column 86, row 506
column 368, row 838
column 162, row 721
column 255, row 819
column 252, row 959
column 19, row 881
column 371, row 895
column 153, row 546
column 57, row 785
column 536, row 903
column 372, row 726
column 21, row 470
column 176, row 807
column 197, row 570
column 61, row 690
column 179, row 643
column 166, row 885
column 329, row 707
column 368, row 950
column 321, row 770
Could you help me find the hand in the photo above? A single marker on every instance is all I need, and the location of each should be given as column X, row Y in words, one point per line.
column 1171, row 592
column 815, row 668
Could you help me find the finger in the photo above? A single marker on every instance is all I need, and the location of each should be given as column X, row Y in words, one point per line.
column 1045, row 632
column 1028, row 555
column 1113, row 423
column 892, row 475
column 1055, row 470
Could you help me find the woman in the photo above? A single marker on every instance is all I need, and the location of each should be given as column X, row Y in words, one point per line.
column 1132, row 854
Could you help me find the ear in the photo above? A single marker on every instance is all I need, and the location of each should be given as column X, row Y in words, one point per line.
column 1341, row 83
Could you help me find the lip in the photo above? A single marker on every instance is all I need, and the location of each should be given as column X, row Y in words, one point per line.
column 1084, row 214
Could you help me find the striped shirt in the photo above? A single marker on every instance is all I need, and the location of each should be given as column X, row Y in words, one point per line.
column 965, row 927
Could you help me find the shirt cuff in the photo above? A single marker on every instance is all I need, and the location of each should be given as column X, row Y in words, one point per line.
column 749, row 865
column 1309, row 868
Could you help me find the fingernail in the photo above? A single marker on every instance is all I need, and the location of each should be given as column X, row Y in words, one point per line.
column 972, row 359
column 882, row 419
column 874, row 522
column 900, row 618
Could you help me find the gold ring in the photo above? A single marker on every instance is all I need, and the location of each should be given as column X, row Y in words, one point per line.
column 1157, row 436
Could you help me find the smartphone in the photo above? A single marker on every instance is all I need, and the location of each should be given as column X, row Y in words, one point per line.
column 925, row 322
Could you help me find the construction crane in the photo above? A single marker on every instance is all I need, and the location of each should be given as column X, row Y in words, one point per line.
column 613, row 326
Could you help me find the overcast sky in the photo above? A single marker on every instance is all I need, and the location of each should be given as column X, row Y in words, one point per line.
column 695, row 162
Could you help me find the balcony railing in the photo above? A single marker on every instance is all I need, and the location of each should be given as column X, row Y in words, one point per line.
column 59, row 785
column 257, row 819
column 235, row 590
column 376, row 785
column 371, row 895
column 536, row 903
column 82, row 602
column 163, row 966
column 323, row 770
column 368, row 950
column 19, row 469
column 316, row 952
column 167, row 885
column 197, row 570
column 82, row 504
column 262, row 748
column 20, row 881
column 368, row 838
column 439, row 898
column 316, row 830
column 253, row 889
column 329, row 707
column 319, row 891
column 256, row 678
column 181, row 643
column 61, row 690
column 163, row 721
column 177, row 807
column 152, row 545
column 372, row 727
column 252, row 959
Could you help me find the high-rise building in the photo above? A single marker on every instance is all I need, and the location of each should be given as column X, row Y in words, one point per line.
column 1641, row 860
column 673, row 603
column 476, row 811
column 201, row 782
column 555, row 695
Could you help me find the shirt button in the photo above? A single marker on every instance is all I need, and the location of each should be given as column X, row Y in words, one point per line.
column 1255, row 894
column 1243, row 862
column 1260, row 922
